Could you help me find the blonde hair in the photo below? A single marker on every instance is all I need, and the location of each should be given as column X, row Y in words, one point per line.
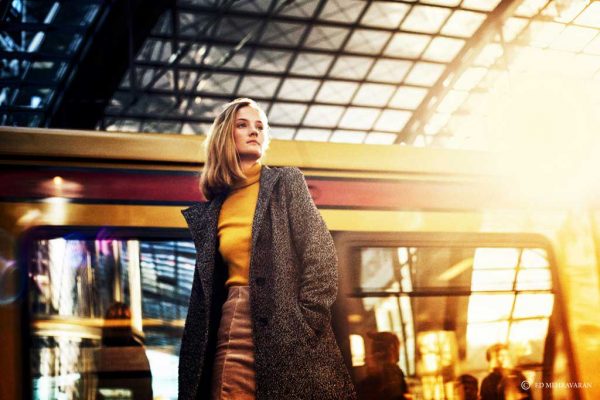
column 222, row 167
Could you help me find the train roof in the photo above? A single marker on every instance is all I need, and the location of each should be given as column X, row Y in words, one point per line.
column 188, row 149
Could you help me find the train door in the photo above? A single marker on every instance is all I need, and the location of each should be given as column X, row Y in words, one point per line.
column 462, row 315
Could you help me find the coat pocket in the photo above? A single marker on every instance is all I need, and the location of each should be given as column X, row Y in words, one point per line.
column 308, row 333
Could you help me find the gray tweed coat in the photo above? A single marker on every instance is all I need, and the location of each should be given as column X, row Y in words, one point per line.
column 293, row 283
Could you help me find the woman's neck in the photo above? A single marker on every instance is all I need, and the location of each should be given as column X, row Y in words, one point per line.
column 248, row 164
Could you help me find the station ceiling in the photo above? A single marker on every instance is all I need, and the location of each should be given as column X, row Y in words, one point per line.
column 420, row 73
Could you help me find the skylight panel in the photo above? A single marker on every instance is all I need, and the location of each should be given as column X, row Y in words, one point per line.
column 447, row 3
column 47, row 71
column 481, row 5
column 326, row 37
column 408, row 97
column 425, row 19
column 218, row 83
column 373, row 94
column 563, row 11
column 359, row 118
column 257, row 6
column 298, row 89
column 463, row 23
column 80, row 14
column 593, row 47
column 283, row 33
column 336, row 92
column 286, row 113
column 574, row 38
column 512, row 28
column 342, row 136
column 311, row 64
column 34, row 97
column 233, row 28
column 323, row 116
column 195, row 54
column 529, row 8
column 424, row 74
column 313, row 135
column 586, row 65
column 542, row 34
column 351, row 67
column 407, row 45
column 302, row 9
column 367, row 41
column 435, row 124
column 385, row 14
column 270, row 60
column 217, row 53
column 443, row 49
column 380, row 138
column 392, row 120
column 59, row 43
column 452, row 101
column 392, row 71
column 471, row 129
column 470, row 78
column 342, row 10
column 590, row 16
column 488, row 55
column 258, row 86
column 278, row 132
column 125, row 125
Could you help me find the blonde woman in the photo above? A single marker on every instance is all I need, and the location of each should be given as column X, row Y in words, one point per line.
column 258, row 324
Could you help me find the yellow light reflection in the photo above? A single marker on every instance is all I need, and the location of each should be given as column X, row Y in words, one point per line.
column 544, row 121
column 357, row 348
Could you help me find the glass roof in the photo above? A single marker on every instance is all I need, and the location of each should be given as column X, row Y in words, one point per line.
column 39, row 44
column 423, row 73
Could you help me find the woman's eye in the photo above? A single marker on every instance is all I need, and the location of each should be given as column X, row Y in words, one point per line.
column 241, row 125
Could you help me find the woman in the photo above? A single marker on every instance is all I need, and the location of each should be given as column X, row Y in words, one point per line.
column 258, row 323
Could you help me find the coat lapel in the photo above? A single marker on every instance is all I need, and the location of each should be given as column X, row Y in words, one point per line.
column 268, row 178
column 202, row 219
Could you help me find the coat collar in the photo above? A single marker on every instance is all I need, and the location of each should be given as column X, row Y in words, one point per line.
column 202, row 218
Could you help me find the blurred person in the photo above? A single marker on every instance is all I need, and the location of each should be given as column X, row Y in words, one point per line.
column 468, row 387
column 503, row 382
column 122, row 365
column 258, row 324
column 385, row 379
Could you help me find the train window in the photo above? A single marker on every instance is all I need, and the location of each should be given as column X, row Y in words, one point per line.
column 107, row 315
column 446, row 314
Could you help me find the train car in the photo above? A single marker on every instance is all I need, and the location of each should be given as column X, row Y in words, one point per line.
column 448, row 251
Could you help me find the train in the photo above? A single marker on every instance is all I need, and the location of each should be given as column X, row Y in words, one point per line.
column 449, row 250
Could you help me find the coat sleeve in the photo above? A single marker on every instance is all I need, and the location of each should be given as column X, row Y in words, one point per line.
column 316, row 252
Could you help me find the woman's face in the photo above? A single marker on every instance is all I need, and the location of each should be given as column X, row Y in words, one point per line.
column 249, row 133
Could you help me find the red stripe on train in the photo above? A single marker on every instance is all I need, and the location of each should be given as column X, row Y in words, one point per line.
column 166, row 187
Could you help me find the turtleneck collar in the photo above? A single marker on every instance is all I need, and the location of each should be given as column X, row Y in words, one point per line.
column 252, row 176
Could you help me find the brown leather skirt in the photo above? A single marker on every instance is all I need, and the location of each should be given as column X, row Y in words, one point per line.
column 233, row 371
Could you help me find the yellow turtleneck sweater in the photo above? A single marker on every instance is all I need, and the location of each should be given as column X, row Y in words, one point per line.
column 235, row 226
